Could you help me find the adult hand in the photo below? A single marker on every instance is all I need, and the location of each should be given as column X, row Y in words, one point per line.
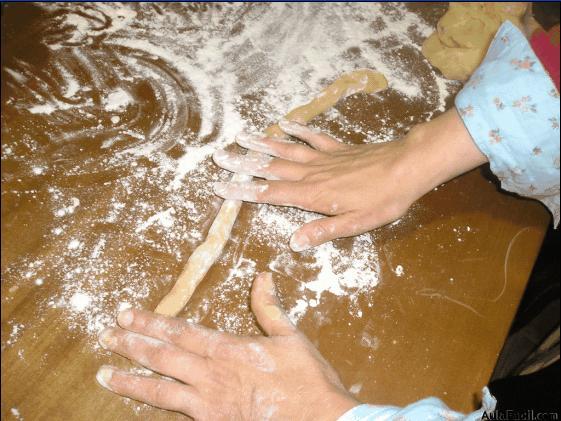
column 360, row 187
column 213, row 375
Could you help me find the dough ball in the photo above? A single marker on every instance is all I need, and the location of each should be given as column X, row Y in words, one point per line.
column 464, row 34
column 454, row 63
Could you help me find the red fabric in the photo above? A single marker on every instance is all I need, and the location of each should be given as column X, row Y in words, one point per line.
column 546, row 47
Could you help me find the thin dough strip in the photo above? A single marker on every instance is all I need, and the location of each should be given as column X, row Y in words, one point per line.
column 204, row 256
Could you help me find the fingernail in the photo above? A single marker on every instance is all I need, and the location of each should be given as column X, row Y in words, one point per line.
column 299, row 242
column 268, row 282
column 104, row 375
column 106, row 339
column 125, row 318
column 273, row 312
column 220, row 156
column 220, row 188
column 291, row 127
column 249, row 140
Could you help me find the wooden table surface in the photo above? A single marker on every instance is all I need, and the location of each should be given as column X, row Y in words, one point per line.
column 452, row 273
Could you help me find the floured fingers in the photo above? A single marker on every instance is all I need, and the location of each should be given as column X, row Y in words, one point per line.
column 278, row 147
column 282, row 193
column 315, row 138
column 259, row 165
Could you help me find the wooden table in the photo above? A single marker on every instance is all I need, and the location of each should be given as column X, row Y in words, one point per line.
column 452, row 273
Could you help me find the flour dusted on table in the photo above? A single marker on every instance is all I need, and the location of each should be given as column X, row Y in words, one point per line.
column 116, row 148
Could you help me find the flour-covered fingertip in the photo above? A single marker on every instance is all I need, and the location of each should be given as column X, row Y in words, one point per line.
column 106, row 339
column 299, row 242
column 291, row 127
column 220, row 188
column 125, row 318
column 104, row 375
column 219, row 156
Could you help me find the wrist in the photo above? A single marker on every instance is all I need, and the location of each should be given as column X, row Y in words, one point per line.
column 440, row 150
column 332, row 408
column 343, row 405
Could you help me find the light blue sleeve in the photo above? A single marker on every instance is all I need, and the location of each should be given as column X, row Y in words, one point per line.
column 510, row 106
column 430, row 409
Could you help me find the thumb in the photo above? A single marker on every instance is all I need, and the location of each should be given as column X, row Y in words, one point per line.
column 323, row 230
column 266, row 307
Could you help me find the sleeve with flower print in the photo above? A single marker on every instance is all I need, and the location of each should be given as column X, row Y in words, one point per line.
column 430, row 409
column 510, row 106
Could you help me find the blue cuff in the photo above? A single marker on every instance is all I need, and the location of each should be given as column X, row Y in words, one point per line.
column 510, row 106
column 369, row 412
column 430, row 409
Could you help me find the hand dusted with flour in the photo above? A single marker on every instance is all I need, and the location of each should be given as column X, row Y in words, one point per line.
column 219, row 376
column 364, row 80
column 359, row 187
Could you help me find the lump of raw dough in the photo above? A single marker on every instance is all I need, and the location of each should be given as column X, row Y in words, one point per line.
column 464, row 33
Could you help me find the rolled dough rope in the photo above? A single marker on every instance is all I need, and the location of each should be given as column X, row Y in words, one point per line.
column 204, row 256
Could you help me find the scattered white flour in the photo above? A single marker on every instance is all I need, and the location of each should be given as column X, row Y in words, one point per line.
column 17, row 329
column 16, row 75
column 96, row 252
column 16, row 414
column 74, row 203
column 164, row 218
column 74, row 244
column 72, row 84
column 346, row 273
column 399, row 271
column 190, row 160
column 80, row 301
column 117, row 100
column 369, row 341
column 355, row 388
column 228, row 68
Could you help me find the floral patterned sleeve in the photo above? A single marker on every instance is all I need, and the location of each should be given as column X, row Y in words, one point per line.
column 430, row 409
column 510, row 106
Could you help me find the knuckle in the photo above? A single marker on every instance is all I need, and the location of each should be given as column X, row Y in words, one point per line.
column 352, row 226
column 215, row 347
column 299, row 153
column 284, row 149
column 227, row 349
column 267, row 192
column 159, row 394
column 188, row 407
column 321, row 230
column 359, row 222
column 319, row 194
column 156, row 325
column 319, row 176
column 139, row 321
column 156, row 357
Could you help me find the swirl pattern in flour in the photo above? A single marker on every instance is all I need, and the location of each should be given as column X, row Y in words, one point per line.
column 93, row 106
column 110, row 112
